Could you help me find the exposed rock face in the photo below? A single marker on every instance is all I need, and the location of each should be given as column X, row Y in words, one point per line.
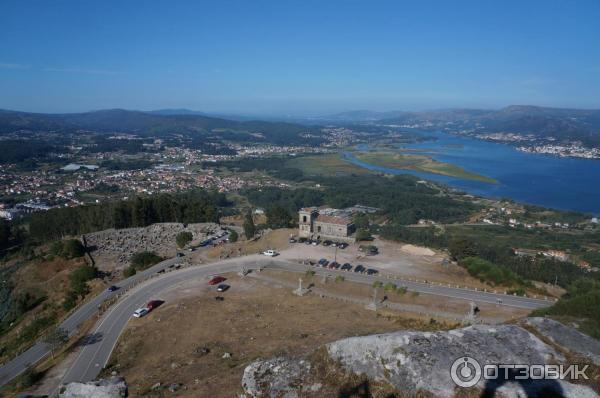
column 114, row 387
column 420, row 362
column 116, row 246
column 570, row 339
column 281, row 377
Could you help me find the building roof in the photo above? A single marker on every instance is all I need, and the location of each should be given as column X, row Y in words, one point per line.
column 333, row 220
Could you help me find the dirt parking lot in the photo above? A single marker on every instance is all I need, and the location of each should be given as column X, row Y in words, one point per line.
column 199, row 346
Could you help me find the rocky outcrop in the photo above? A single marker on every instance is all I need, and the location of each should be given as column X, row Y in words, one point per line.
column 414, row 362
column 114, row 387
column 566, row 337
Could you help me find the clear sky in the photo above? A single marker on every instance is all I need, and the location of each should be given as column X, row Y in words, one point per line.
column 297, row 57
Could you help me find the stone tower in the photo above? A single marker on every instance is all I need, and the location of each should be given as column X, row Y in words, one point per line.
column 306, row 220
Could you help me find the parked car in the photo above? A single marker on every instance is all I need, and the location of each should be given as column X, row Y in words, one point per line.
column 372, row 271
column 334, row 265
column 154, row 304
column 180, row 254
column 222, row 287
column 216, row 280
column 323, row 262
column 342, row 245
column 270, row 253
column 292, row 240
column 359, row 269
column 302, row 240
column 327, row 243
column 346, row 267
column 140, row 312
column 112, row 288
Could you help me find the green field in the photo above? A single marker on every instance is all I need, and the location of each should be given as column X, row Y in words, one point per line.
column 422, row 163
column 326, row 165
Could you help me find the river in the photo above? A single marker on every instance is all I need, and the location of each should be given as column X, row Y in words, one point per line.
column 545, row 180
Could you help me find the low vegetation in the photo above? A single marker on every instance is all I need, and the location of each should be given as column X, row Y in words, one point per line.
column 183, row 238
column 582, row 301
column 140, row 261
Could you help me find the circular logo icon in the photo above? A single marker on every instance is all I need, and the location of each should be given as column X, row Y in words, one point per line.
column 465, row 372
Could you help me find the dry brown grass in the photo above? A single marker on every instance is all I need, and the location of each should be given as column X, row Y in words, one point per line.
column 256, row 320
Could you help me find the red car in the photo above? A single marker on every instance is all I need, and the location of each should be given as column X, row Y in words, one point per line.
column 154, row 304
column 216, row 280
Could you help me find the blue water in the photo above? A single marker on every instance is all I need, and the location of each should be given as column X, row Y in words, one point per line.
column 545, row 180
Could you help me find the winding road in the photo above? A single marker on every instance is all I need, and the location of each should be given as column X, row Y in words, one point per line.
column 100, row 342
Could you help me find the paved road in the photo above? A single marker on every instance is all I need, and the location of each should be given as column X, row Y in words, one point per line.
column 97, row 349
column 40, row 350
column 94, row 356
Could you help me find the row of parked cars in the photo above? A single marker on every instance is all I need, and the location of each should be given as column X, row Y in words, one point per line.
column 316, row 242
column 211, row 239
column 359, row 269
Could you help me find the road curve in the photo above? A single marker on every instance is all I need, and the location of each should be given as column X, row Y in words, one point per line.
column 96, row 353
column 100, row 343
column 40, row 350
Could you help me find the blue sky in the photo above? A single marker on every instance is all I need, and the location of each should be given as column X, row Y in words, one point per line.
column 297, row 57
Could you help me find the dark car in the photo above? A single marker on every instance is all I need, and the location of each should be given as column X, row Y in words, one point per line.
column 180, row 254
column 334, row 265
column 113, row 288
column 323, row 262
column 372, row 271
column 342, row 245
column 222, row 287
column 346, row 267
column 359, row 269
column 327, row 243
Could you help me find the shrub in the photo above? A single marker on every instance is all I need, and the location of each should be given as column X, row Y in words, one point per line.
column 143, row 260
column 129, row 271
column 487, row 271
column 233, row 236
column 183, row 238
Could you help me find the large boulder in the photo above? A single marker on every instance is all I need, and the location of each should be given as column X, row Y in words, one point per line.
column 419, row 363
column 115, row 387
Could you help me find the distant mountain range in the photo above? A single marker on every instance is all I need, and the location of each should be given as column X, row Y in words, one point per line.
column 154, row 123
column 563, row 124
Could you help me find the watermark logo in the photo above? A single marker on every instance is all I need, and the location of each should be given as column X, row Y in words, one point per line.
column 467, row 372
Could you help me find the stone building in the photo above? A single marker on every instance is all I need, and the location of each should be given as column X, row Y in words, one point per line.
column 336, row 225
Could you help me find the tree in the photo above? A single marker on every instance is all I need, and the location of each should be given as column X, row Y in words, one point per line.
column 249, row 228
column 56, row 338
column 72, row 248
column 363, row 234
column 183, row 238
column 233, row 236
column 278, row 217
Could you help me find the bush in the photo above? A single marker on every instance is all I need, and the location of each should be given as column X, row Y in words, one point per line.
column 233, row 236
column 129, row 271
column 71, row 248
column 389, row 287
column 339, row 278
column 79, row 277
column 377, row 284
column 183, row 238
column 363, row 234
column 486, row 271
column 143, row 260
column 582, row 301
